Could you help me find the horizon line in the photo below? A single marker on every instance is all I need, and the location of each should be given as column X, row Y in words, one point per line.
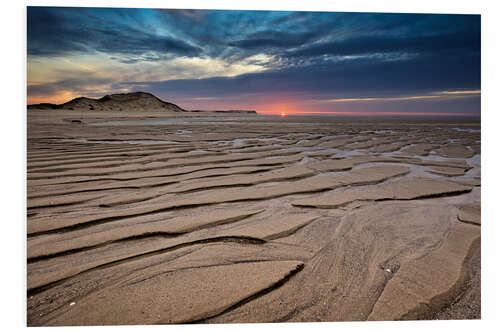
column 370, row 113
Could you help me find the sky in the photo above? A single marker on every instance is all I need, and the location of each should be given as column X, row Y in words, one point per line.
column 270, row 61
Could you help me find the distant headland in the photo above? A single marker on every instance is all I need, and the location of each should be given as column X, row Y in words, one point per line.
column 138, row 101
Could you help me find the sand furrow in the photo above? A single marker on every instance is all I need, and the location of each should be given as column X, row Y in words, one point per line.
column 160, row 156
column 43, row 272
column 152, row 165
column 186, row 295
column 470, row 213
column 138, row 183
column 130, row 175
column 416, row 188
column 127, row 228
column 369, row 175
column 427, row 284
column 111, row 162
column 282, row 174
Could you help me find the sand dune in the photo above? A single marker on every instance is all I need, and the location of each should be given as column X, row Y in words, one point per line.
column 118, row 102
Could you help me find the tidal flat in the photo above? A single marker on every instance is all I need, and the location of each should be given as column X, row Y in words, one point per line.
column 189, row 218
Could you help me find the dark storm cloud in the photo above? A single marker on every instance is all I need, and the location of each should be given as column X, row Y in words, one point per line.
column 186, row 14
column 365, row 33
column 135, row 35
column 83, row 84
column 460, row 41
column 343, row 34
column 345, row 78
column 51, row 34
column 274, row 39
column 62, row 31
column 214, row 30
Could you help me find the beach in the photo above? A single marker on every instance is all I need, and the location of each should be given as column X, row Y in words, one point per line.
column 178, row 217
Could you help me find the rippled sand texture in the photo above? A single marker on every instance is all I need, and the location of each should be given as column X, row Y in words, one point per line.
column 247, row 219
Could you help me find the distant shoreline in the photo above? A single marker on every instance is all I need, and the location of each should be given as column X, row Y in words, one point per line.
column 208, row 113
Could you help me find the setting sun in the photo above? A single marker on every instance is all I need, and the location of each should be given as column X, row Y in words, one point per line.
column 283, row 114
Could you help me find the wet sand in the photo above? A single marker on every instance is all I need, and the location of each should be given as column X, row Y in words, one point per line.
column 216, row 219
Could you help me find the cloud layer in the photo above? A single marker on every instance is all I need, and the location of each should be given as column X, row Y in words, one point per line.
column 245, row 57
